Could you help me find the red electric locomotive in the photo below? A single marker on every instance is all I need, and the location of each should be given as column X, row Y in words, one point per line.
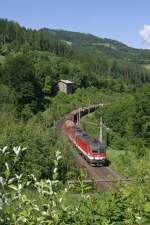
column 93, row 151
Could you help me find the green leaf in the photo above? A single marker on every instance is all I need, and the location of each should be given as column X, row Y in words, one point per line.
column 13, row 187
column 147, row 207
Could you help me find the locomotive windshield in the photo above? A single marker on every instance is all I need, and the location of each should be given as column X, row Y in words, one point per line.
column 98, row 148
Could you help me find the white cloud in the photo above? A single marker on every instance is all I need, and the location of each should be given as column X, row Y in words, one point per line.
column 145, row 34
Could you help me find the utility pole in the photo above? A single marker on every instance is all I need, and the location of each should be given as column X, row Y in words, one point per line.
column 89, row 107
column 79, row 114
column 78, row 118
column 100, row 127
column 101, row 130
column 54, row 124
column 107, row 136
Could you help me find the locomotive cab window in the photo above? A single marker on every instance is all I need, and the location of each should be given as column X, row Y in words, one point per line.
column 98, row 149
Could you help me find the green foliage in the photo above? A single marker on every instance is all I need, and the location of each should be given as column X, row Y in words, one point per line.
column 32, row 180
column 123, row 205
column 106, row 47
column 41, row 142
column 19, row 76
column 141, row 122
column 86, row 64
column 13, row 36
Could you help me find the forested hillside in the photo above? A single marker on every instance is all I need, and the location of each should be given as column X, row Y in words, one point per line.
column 33, row 188
column 107, row 47
column 47, row 59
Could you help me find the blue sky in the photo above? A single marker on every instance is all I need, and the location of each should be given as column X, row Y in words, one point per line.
column 122, row 20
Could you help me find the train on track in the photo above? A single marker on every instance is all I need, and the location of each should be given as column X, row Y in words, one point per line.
column 93, row 151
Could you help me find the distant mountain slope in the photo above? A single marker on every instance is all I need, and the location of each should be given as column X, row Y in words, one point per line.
column 61, row 42
column 85, row 59
column 110, row 48
column 82, row 38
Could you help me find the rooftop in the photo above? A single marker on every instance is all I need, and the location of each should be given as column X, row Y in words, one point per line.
column 66, row 81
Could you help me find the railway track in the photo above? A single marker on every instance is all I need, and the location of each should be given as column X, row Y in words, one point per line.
column 102, row 176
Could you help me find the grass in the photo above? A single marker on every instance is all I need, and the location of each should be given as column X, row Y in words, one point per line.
column 146, row 66
column 2, row 59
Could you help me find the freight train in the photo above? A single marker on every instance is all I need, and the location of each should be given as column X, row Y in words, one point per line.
column 93, row 151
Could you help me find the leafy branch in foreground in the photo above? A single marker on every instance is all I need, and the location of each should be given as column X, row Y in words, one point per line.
column 52, row 203
column 17, row 207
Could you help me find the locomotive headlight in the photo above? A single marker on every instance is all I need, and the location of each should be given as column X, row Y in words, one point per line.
column 99, row 158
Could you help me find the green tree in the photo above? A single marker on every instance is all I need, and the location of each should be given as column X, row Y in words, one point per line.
column 141, row 124
column 19, row 76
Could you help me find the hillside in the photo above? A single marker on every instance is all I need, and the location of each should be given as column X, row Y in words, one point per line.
column 110, row 48
column 51, row 55
column 63, row 43
column 36, row 163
